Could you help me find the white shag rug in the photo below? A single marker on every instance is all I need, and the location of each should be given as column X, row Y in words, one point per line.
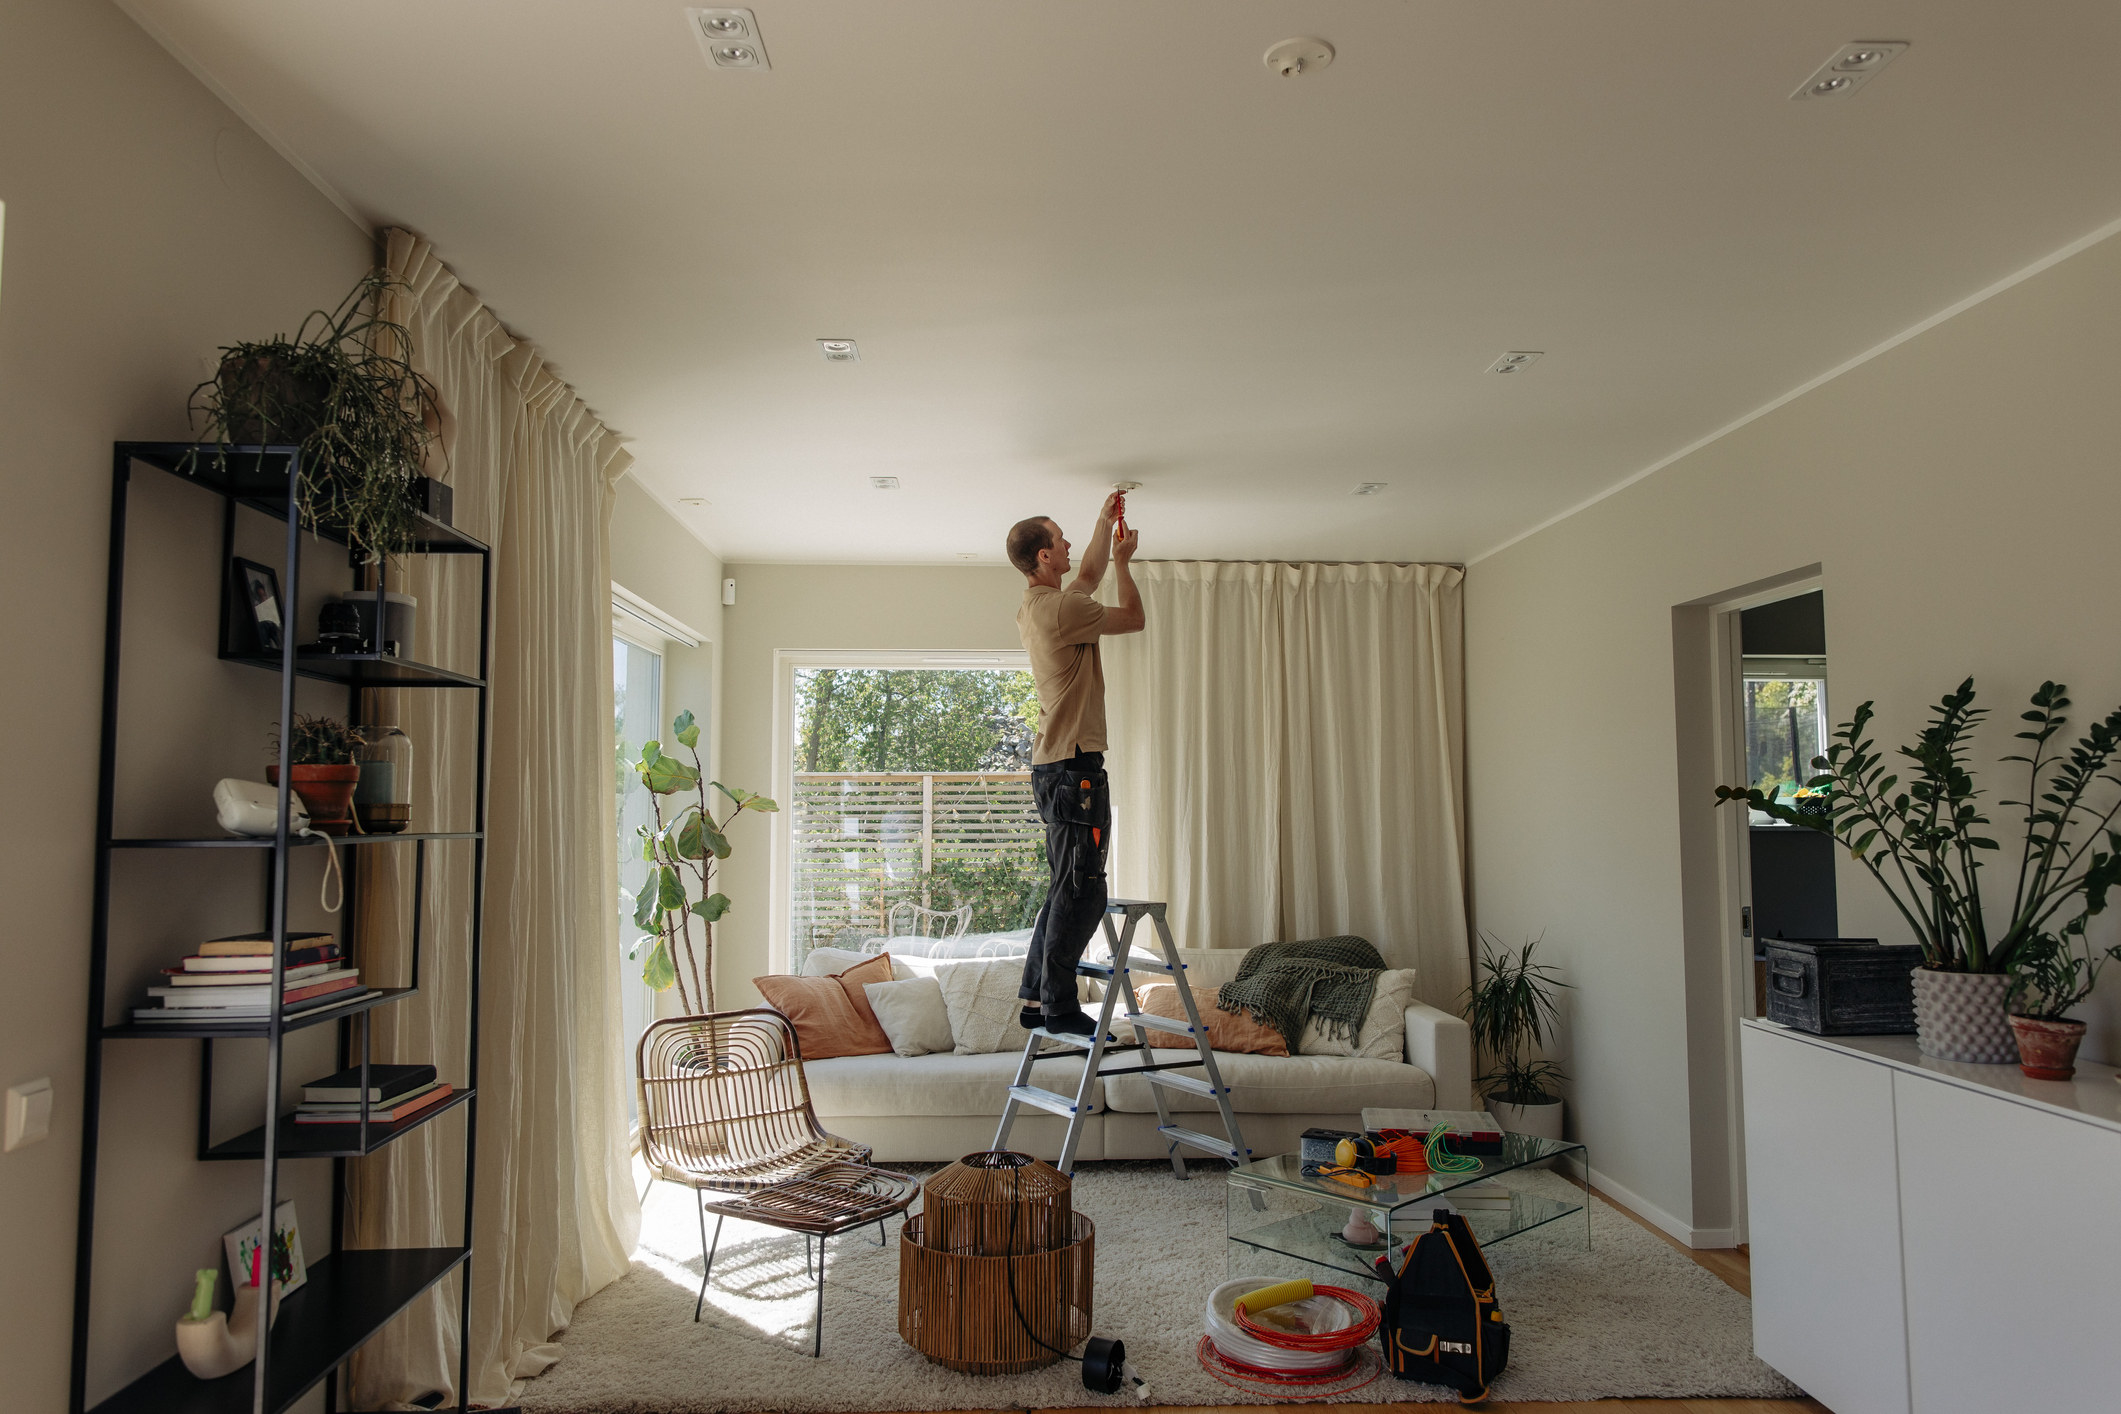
column 1628, row 1318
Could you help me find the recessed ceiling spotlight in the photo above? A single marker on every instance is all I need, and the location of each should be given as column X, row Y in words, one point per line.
column 1371, row 488
column 884, row 483
column 839, row 350
column 967, row 555
column 1293, row 58
column 1850, row 68
column 692, row 500
column 730, row 38
column 1515, row 361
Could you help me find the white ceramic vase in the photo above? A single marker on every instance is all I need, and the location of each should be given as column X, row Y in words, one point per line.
column 225, row 1341
column 1540, row 1121
column 1960, row 1016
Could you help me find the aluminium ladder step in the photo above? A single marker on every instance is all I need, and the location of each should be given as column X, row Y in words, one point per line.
column 1193, row 1138
column 1156, row 1066
column 1191, row 1084
column 1046, row 1100
column 1154, row 1022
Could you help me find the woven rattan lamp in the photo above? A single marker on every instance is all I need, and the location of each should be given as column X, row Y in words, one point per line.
column 996, row 1273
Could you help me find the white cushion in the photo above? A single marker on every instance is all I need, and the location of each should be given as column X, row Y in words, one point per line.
column 884, row 1085
column 1279, row 1085
column 912, row 1014
column 982, row 1002
column 1383, row 1035
column 828, row 962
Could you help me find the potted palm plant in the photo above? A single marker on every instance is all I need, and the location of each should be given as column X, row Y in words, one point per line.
column 683, row 853
column 344, row 390
column 322, row 769
column 1511, row 1010
column 1924, row 841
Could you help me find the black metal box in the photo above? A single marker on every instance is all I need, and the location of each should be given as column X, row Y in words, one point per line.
column 1841, row 986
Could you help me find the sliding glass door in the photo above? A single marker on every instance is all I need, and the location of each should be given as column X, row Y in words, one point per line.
column 637, row 681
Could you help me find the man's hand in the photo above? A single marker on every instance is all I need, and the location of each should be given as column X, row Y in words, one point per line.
column 1123, row 546
column 1109, row 511
column 1090, row 570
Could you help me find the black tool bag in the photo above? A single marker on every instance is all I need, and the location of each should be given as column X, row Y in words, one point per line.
column 1441, row 1324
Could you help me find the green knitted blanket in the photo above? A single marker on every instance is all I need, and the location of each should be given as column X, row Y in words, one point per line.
column 1285, row 984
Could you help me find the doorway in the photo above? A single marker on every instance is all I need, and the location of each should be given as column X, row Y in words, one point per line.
column 1782, row 699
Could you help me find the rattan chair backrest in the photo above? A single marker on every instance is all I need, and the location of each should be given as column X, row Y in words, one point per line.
column 724, row 1103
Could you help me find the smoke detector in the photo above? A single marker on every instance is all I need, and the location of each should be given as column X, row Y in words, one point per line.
column 1293, row 58
column 729, row 38
column 1850, row 68
column 839, row 350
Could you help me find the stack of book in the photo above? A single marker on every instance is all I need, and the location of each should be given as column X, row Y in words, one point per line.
column 395, row 1092
column 230, row 979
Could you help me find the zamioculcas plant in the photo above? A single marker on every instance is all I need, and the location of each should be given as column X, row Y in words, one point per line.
column 683, row 853
column 1923, row 841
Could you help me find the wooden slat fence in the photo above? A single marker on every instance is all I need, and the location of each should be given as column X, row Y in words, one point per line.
column 861, row 841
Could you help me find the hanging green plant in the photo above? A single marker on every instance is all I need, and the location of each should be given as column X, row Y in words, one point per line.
column 342, row 389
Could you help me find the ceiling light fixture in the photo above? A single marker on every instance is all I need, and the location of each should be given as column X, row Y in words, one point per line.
column 1293, row 58
column 839, row 350
column 729, row 38
column 692, row 500
column 967, row 555
column 1850, row 68
column 1371, row 488
column 1515, row 361
column 884, row 483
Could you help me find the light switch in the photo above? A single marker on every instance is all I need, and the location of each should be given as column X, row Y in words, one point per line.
column 29, row 1113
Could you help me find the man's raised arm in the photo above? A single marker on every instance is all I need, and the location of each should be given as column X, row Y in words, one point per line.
column 1091, row 572
column 1127, row 616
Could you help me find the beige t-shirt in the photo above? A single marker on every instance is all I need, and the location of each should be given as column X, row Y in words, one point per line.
column 1060, row 629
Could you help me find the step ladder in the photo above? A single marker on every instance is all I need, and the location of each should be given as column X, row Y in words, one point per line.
column 1161, row 1075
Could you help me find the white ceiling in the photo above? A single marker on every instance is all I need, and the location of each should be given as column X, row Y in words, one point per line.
column 1080, row 240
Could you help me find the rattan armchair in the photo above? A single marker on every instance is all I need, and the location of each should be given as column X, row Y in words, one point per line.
column 725, row 1110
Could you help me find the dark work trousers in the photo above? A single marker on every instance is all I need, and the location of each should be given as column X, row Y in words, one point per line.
column 1075, row 801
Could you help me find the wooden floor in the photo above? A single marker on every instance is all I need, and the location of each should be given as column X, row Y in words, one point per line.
column 1733, row 1265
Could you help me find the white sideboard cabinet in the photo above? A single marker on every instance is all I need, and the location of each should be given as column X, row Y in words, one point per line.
column 1928, row 1237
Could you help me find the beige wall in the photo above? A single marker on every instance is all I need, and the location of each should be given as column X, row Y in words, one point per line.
column 825, row 608
column 145, row 226
column 1958, row 494
column 656, row 557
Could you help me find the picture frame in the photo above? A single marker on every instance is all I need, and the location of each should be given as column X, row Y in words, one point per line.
column 240, row 1245
column 255, row 589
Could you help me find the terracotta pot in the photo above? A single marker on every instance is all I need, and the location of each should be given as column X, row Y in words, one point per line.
column 326, row 792
column 2047, row 1050
column 1960, row 1016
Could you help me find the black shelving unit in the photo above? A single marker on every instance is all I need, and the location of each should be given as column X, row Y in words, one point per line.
column 351, row 1294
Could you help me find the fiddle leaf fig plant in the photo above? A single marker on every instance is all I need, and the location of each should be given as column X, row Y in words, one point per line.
column 683, row 850
column 1924, row 840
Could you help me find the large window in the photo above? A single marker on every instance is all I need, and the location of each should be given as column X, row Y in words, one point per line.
column 911, row 786
column 637, row 716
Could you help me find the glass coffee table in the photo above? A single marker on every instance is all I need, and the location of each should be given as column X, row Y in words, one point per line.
column 1276, row 1214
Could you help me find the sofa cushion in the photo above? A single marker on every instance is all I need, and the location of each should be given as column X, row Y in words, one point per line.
column 831, row 1014
column 1287, row 1085
column 1383, row 1035
column 941, row 1084
column 826, row 962
column 912, row 1014
column 1232, row 1031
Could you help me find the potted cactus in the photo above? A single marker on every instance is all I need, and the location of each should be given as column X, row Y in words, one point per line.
column 322, row 769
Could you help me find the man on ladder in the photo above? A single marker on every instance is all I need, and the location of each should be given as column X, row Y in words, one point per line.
column 1061, row 625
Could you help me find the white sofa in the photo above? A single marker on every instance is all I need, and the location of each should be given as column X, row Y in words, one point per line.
column 943, row 1106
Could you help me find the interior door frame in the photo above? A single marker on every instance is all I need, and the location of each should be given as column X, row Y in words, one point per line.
column 1716, row 888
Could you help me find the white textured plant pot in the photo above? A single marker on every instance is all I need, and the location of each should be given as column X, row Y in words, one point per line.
column 1539, row 1121
column 1960, row 1016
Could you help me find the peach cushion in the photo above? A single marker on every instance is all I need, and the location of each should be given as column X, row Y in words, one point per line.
column 1227, row 1030
column 832, row 1016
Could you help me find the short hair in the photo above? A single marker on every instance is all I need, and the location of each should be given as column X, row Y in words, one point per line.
column 1026, row 538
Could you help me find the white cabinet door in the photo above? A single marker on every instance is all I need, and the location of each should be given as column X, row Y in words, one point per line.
column 1822, row 1187
column 2012, row 1222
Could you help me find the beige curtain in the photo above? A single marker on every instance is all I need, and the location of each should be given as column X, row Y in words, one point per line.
column 533, row 471
column 1288, row 746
